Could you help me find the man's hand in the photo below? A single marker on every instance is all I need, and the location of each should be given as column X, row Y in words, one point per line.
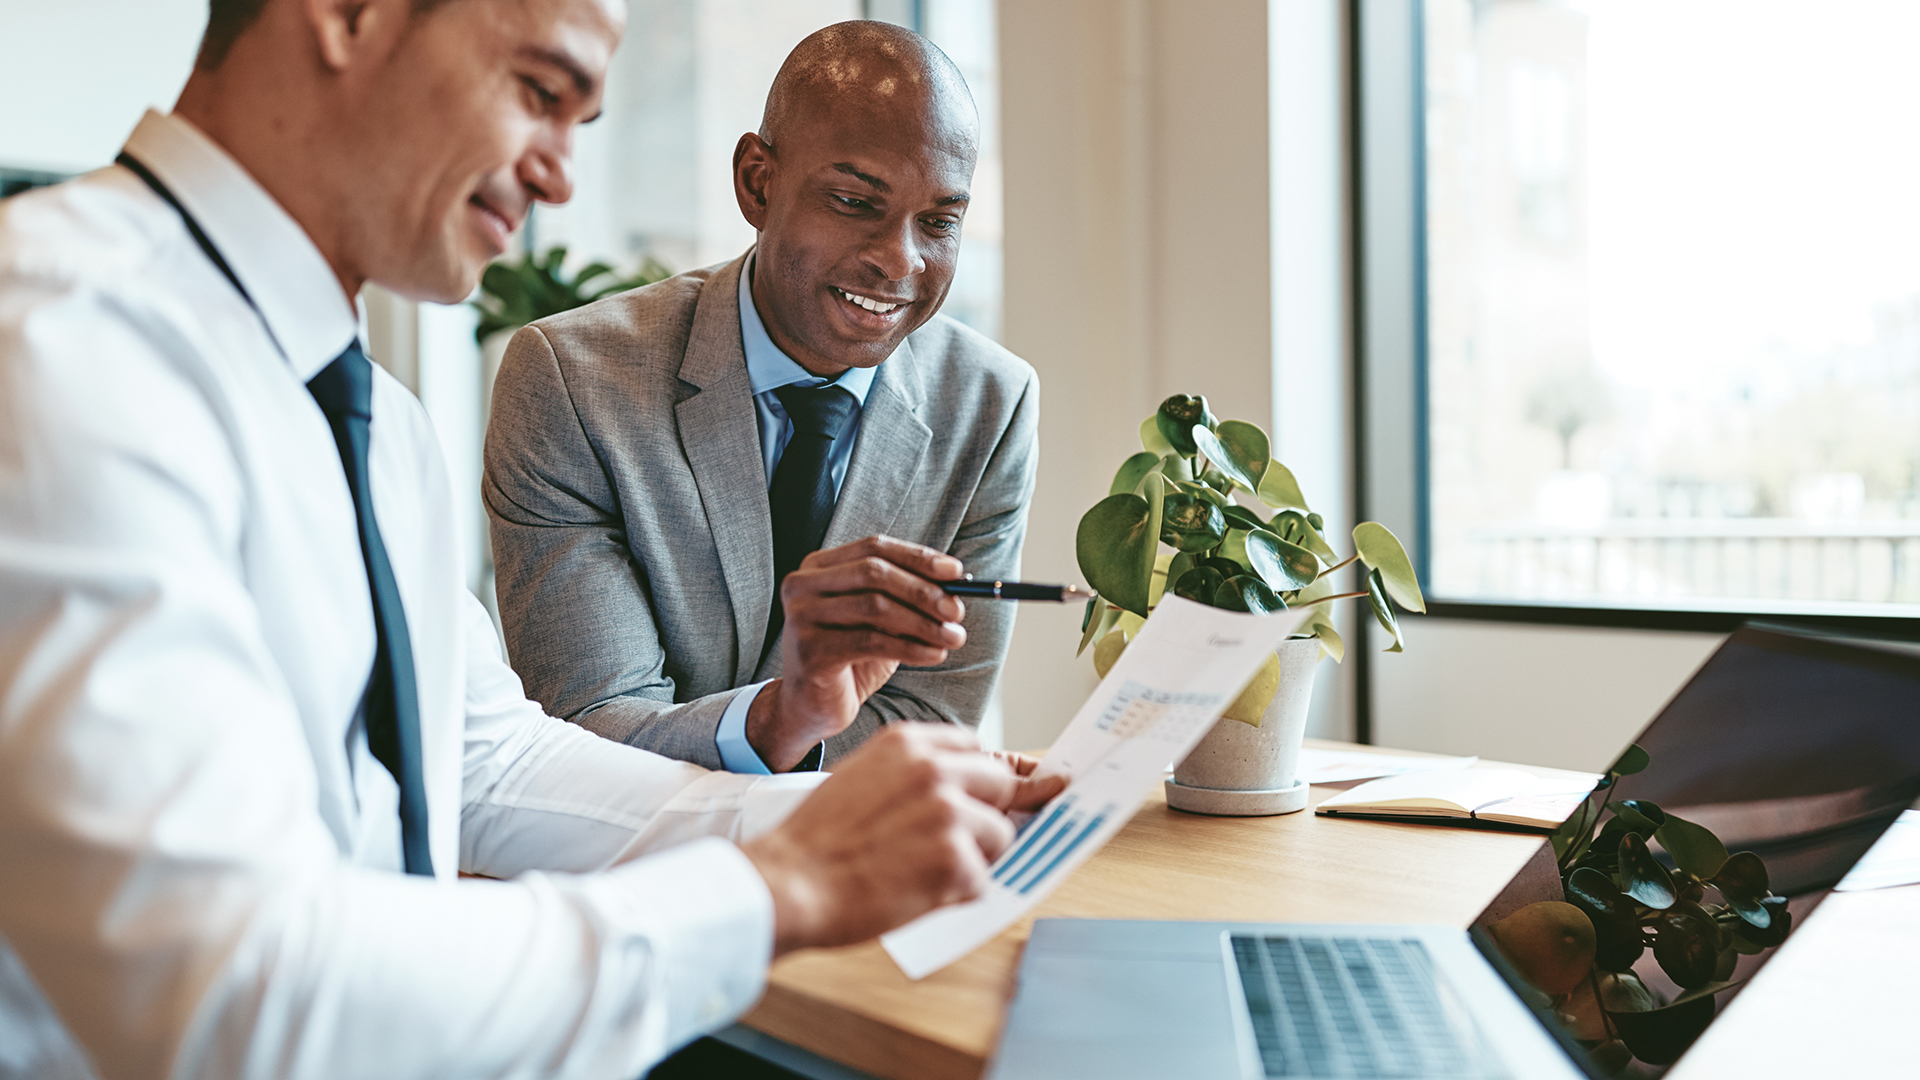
column 853, row 614
column 906, row 824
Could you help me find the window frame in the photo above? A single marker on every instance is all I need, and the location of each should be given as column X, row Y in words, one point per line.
column 1387, row 142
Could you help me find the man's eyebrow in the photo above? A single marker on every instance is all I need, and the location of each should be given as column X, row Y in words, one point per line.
column 583, row 83
column 873, row 182
column 950, row 200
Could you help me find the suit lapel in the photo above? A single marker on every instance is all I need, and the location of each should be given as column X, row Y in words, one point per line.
column 721, row 439
column 886, row 455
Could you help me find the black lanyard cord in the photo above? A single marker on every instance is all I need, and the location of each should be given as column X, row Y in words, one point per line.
column 219, row 261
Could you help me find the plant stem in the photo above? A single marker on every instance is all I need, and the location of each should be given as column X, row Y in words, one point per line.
column 1342, row 564
column 1336, row 596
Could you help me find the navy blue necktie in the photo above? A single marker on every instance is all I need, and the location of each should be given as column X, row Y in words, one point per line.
column 344, row 390
column 802, row 497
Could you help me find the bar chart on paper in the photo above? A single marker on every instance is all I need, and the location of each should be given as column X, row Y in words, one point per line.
column 1046, row 843
column 1164, row 693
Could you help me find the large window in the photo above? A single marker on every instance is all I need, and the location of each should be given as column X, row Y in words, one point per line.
column 1671, row 302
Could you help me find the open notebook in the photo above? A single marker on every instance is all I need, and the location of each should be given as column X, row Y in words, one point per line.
column 1506, row 797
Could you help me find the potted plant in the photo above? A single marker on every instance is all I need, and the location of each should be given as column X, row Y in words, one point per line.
column 513, row 294
column 1205, row 512
column 1627, row 913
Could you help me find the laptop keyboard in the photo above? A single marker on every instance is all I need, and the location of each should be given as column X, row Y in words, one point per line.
column 1349, row 1007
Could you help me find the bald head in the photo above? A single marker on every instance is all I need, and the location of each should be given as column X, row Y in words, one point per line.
column 857, row 183
column 876, row 70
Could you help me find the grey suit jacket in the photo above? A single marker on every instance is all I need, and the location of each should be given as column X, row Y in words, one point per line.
column 631, row 529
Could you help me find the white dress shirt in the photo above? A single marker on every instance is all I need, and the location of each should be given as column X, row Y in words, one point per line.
column 769, row 369
column 199, row 858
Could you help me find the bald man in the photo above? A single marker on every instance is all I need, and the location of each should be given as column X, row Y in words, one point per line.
column 721, row 503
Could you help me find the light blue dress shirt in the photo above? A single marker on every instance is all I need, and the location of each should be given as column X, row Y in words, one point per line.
column 769, row 369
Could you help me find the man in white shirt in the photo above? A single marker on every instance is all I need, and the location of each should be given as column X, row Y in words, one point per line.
column 241, row 685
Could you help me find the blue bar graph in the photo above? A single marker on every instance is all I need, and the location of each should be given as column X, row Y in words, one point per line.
column 1032, row 836
column 1065, row 851
column 1059, row 833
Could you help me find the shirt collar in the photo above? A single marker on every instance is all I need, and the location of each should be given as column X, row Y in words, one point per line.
column 295, row 290
column 770, row 369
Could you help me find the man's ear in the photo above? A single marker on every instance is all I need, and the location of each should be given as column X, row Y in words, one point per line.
column 752, row 168
column 343, row 28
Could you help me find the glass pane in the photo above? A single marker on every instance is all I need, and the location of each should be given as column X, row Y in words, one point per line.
column 1674, row 302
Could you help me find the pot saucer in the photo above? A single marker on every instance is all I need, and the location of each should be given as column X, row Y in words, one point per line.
column 1199, row 800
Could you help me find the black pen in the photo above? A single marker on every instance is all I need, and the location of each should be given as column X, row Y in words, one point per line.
column 1014, row 590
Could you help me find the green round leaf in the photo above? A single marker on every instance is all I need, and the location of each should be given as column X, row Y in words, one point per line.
column 1115, row 544
column 1108, row 652
column 1687, row 944
column 1227, row 567
column 1278, row 488
column 1693, row 847
column 1283, row 566
column 1131, row 470
column 1332, row 645
column 1773, row 932
column 1250, row 705
column 1202, row 491
column 1239, row 517
column 1199, row 584
column 1175, row 467
column 1150, row 438
column 1632, row 761
column 1247, row 593
column 1297, row 527
column 1617, row 941
column 1641, row 875
column 1101, row 624
column 1180, row 563
column 1190, row 523
column 1383, row 611
column 1177, row 416
column 1648, row 811
column 1236, row 448
column 1743, row 883
column 1382, row 551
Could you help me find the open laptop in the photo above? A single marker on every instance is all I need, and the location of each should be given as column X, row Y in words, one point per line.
column 1800, row 749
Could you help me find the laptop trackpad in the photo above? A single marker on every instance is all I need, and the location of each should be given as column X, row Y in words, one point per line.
column 1088, row 1014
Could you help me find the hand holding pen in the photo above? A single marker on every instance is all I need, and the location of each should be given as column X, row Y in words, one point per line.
column 1013, row 590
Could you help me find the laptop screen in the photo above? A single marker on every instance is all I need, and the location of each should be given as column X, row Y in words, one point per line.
column 1754, row 792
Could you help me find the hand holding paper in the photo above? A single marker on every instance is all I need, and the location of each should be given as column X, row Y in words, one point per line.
column 1182, row 670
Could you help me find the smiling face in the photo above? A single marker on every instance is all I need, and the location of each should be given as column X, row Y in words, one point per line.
column 466, row 122
column 858, row 204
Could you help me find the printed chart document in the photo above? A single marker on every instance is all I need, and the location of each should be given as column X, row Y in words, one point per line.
column 1177, row 676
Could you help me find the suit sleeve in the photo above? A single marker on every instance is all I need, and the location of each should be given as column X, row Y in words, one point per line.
column 988, row 542
column 574, row 605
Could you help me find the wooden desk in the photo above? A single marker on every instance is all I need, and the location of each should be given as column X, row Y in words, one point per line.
column 854, row 1006
column 1836, row 1000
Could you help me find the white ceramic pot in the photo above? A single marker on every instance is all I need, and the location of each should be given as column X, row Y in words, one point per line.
column 1245, row 771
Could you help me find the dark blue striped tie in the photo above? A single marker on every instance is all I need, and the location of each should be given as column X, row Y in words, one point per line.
column 344, row 390
column 801, row 497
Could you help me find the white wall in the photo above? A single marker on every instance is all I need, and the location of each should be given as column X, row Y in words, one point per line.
column 75, row 77
column 1137, row 262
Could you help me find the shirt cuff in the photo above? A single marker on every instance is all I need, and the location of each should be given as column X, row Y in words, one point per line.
column 704, row 917
column 737, row 755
